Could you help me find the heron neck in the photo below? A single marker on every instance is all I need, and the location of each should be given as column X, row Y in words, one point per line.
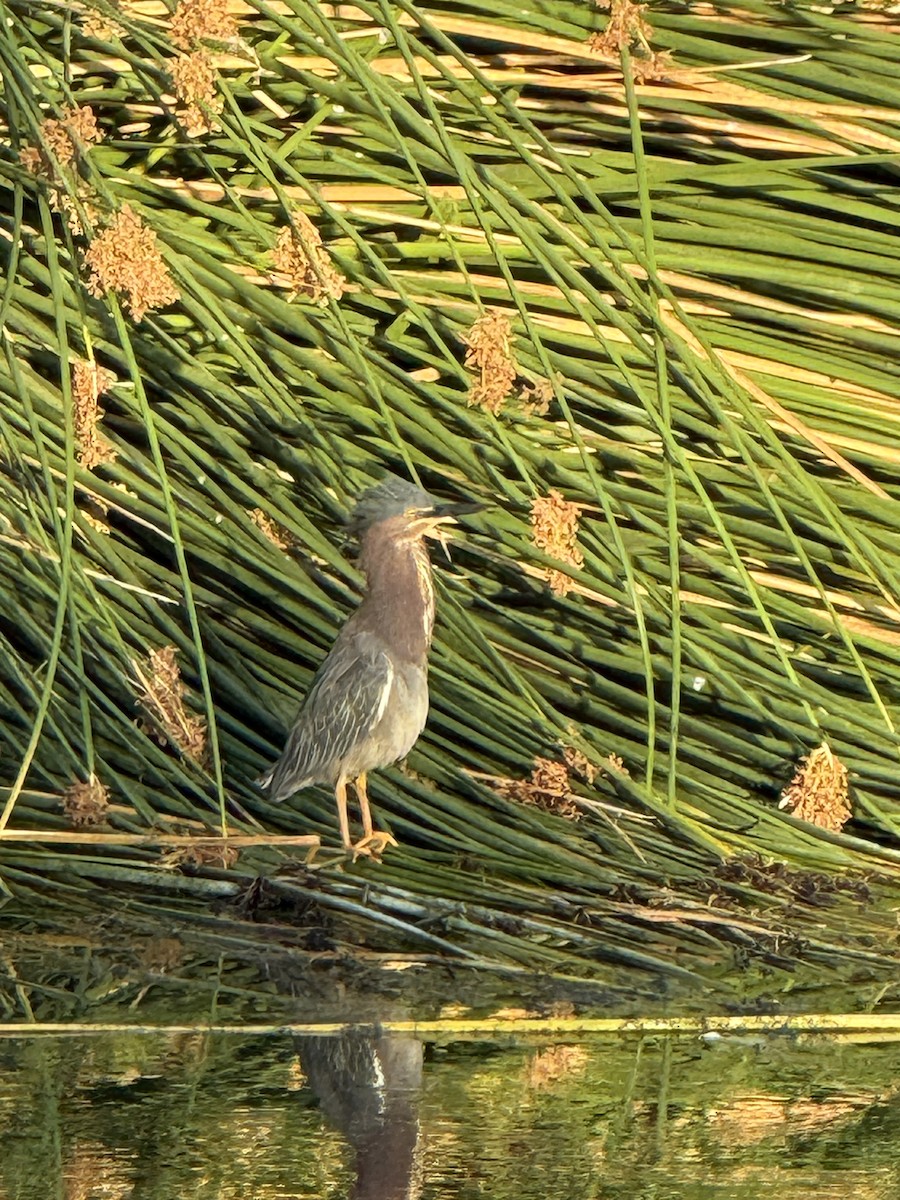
column 399, row 601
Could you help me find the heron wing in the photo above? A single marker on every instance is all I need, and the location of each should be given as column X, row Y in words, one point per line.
column 347, row 699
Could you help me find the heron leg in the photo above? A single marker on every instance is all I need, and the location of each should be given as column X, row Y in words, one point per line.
column 365, row 812
column 373, row 842
column 340, row 795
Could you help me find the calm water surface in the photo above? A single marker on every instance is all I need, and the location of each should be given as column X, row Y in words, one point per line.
column 385, row 1118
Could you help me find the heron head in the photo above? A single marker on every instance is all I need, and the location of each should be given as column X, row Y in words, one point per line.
column 405, row 511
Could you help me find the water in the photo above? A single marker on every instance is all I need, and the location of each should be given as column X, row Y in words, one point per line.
column 160, row 1117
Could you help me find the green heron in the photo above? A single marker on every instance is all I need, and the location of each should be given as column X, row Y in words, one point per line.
column 369, row 699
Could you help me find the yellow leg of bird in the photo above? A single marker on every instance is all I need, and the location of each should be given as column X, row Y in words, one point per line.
column 373, row 841
column 340, row 795
column 365, row 812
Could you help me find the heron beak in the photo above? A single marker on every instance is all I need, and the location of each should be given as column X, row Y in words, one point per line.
column 444, row 515
column 449, row 512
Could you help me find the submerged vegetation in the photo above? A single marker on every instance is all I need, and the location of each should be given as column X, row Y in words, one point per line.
column 627, row 273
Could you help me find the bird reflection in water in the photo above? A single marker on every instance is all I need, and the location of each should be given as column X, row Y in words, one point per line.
column 368, row 1085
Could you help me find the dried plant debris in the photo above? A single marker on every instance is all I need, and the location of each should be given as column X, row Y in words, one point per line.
column 196, row 21
column 89, row 382
column 554, row 530
column 300, row 255
column 86, row 803
column 778, row 879
column 273, row 532
column 194, row 79
column 819, row 792
column 94, row 509
column 490, row 353
column 203, row 854
column 125, row 258
column 90, row 517
column 162, row 698
column 547, row 789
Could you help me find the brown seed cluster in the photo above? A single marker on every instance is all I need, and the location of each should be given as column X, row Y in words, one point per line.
column 490, row 352
column 554, row 529
column 194, row 79
column 125, row 258
column 32, row 160
column 77, row 124
column 617, row 764
column 819, row 792
column 61, row 138
column 300, row 255
column 60, row 141
column 63, row 202
column 579, row 764
column 89, row 382
column 196, row 21
column 97, row 25
column 86, row 803
column 162, row 698
column 270, row 529
column 537, row 397
column 653, row 66
column 628, row 29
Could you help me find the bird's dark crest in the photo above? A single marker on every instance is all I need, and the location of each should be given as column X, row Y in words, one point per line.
column 389, row 498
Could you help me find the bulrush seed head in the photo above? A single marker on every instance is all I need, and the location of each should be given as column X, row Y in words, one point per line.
column 162, row 698
column 89, row 382
column 86, row 803
column 61, row 136
column 300, row 255
column 125, row 258
column 819, row 792
column 626, row 26
column 196, row 21
column 547, row 789
column 490, row 353
column 628, row 29
column 554, row 529
column 194, row 79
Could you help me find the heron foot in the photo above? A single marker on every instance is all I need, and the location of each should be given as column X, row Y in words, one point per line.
column 373, row 845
